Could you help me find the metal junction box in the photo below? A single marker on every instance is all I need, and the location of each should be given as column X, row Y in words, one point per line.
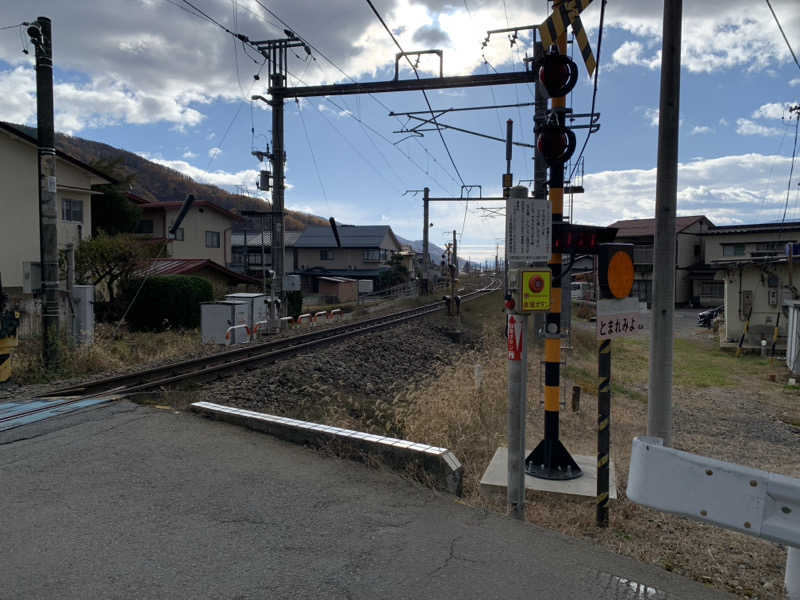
column 257, row 306
column 224, row 322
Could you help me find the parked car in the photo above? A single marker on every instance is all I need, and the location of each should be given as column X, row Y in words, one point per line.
column 705, row 318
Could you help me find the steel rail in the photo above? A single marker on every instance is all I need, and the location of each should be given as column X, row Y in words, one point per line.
column 234, row 359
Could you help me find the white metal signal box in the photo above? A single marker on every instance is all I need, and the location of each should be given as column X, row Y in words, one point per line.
column 224, row 322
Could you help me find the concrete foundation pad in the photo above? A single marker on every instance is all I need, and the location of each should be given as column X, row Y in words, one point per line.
column 495, row 478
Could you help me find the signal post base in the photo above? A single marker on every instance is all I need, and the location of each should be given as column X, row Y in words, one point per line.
column 551, row 460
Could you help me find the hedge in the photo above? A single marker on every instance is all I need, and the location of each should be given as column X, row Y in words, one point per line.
column 167, row 302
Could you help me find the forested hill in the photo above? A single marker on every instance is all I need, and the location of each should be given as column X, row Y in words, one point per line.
column 157, row 183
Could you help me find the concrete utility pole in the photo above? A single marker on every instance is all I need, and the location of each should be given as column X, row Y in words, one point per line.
column 426, row 260
column 455, row 252
column 659, row 405
column 278, row 158
column 41, row 37
column 517, row 325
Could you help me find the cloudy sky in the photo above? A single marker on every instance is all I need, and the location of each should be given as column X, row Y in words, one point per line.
column 157, row 78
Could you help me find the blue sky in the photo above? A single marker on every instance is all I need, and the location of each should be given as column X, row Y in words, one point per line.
column 149, row 77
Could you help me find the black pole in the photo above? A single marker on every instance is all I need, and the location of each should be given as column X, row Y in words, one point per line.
column 41, row 37
column 603, row 430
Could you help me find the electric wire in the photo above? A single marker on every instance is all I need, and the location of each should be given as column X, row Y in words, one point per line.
column 785, row 39
column 430, row 108
column 349, row 77
column 594, row 92
column 13, row 26
column 424, row 94
column 791, row 167
column 313, row 156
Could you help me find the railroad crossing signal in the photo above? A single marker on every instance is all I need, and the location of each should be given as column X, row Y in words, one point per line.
column 565, row 14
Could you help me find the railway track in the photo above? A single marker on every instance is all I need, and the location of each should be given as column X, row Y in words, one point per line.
column 249, row 356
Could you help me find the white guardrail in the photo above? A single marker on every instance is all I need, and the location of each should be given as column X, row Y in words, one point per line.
column 755, row 502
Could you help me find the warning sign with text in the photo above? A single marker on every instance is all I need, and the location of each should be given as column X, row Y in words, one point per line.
column 515, row 337
column 528, row 230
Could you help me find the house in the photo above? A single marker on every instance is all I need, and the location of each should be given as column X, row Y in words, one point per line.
column 755, row 277
column 205, row 233
column 246, row 251
column 688, row 253
column 223, row 280
column 362, row 252
column 19, row 218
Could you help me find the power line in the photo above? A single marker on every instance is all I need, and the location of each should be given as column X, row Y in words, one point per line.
column 13, row 26
column 425, row 95
column 313, row 156
column 785, row 39
column 594, row 91
column 791, row 167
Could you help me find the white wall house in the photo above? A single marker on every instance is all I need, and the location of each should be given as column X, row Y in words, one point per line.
column 19, row 202
column 205, row 232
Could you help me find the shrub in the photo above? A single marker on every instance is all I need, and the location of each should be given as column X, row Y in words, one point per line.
column 167, row 302
column 294, row 303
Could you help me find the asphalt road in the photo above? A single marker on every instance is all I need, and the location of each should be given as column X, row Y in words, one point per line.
column 136, row 502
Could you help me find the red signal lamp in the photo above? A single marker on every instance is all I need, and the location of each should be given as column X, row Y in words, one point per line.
column 558, row 73
column 556, row 143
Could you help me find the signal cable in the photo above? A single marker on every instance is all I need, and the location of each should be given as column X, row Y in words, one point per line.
column 791, row 167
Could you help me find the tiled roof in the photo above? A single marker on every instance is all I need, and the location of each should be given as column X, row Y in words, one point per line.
column 351, row 236
column 645, row 227
column 792, row 226
column 188, row 266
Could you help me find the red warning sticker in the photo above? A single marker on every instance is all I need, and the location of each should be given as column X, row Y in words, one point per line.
column 515, row 341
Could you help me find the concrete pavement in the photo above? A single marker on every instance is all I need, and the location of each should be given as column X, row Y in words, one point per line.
column 126, row 501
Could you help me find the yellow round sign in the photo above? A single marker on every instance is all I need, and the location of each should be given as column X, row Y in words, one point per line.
column 620, row 275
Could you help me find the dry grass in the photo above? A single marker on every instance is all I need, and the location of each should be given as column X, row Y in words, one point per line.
column 458, row 411
column 127, row 351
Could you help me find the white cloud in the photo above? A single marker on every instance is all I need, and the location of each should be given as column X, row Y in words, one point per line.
column 773, row 110
column 630, row 54
column 723, row 122
column 748, row 127
column 214, row 152
column 729, row 189
column 701, row 129
column 219, row 178
column 189, row 154
column 794, row 82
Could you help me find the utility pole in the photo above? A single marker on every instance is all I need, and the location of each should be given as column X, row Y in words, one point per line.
column 659, row 405
column 41, row 36
column 516, row 330
column 455, row 252
column 278, row 158
column 425, row 245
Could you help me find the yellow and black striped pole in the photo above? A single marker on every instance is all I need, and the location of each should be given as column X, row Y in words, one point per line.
column 550, row 460
column 603, row 430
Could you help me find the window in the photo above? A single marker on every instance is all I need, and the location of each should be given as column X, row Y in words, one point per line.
column 179, row 234
column 72, row 210
column 144, row 226
column 212, row 239
column 326, row 254
column 375, row 255
column 714, row 289
column 733, row 250
column 254, row 259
